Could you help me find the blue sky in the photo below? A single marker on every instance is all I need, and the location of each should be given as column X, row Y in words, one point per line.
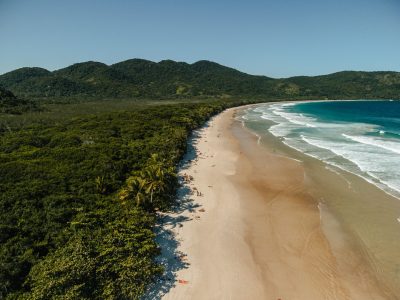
column 279, row 38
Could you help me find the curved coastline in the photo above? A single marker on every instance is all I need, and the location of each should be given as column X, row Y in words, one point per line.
column 339, row 142
column 352, row 209
column 256, row 230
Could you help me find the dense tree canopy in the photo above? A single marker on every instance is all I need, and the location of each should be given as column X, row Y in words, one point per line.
column 138, row 78
column 9, row 104
column 71, row 224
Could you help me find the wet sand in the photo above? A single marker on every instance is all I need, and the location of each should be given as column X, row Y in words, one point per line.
column 256, row 231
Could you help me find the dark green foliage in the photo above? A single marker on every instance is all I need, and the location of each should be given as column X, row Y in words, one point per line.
column 138, row 78
column 9, row 104
column 20, row 75
column 351, row 85
column 111, row 261
column 64, row 232
column 152, row 186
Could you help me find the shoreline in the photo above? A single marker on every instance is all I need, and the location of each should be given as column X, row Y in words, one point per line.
column 255, row 229
column 370, row 226
column 382, row 186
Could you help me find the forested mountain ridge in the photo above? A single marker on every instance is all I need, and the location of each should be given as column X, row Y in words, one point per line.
column 351, row 84
column 138, row 78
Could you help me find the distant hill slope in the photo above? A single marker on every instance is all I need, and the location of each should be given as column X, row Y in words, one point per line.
column 351, row 84
column 138, row 78
column 10, row 104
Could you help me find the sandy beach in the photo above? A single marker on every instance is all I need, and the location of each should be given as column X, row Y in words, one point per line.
column 249, row 227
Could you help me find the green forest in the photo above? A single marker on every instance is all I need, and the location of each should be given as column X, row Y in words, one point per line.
column 10, row 104
column 79, row 195
column 167, row 79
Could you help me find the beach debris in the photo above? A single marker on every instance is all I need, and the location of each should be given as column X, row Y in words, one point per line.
column 210, row 186
column 197, row 217
column 182, row 281
column 213, row 166
column 202, row 210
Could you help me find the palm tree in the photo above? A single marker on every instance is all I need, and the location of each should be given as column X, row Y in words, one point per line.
column 156, row 183
column 135, row 189
column 153, row 179
column 158, row 174
column 140, row 184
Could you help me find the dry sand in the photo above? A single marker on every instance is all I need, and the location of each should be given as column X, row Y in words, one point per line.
column 255, row 231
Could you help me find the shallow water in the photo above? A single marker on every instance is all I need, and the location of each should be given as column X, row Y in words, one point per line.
column 361, row 137
column 351, row 153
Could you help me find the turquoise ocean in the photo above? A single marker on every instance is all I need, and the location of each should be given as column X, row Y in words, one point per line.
column 361, row 137
column 358, row 137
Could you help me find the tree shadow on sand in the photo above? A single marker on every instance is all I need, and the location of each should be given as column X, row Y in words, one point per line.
column 171, row 258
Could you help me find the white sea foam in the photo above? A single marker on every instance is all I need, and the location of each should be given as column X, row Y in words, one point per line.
column 297, row 119
column 379, row 163
column 384, row 144
column 342, row 144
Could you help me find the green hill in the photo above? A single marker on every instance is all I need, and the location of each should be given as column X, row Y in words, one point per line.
column 351, row 84
column 167, row 79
